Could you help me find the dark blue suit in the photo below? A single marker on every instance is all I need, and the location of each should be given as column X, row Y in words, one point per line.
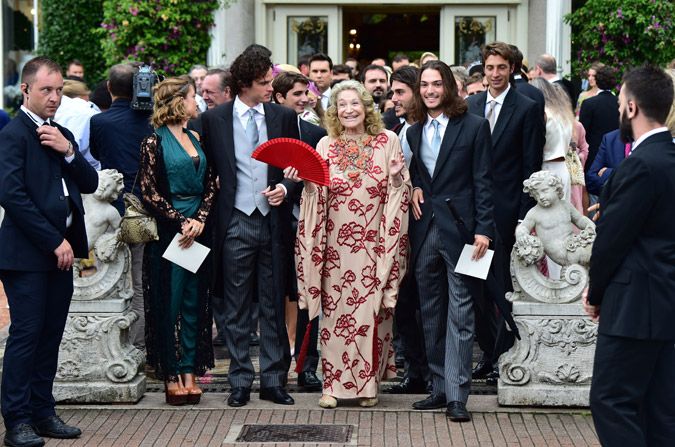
column 612, row 152
column 39, row 294
column 632, row 278
column 115, row 139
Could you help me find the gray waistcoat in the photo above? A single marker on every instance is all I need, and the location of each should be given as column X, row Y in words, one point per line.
column 251, row 174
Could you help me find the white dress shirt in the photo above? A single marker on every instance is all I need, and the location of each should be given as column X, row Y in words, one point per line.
column 325, row 99
column 39, row 122
column 429, row 128
column 75, row 114
column 500, row 101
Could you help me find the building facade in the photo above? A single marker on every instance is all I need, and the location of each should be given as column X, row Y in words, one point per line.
column 363, row 29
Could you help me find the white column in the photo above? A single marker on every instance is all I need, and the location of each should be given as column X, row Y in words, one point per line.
column 233, row 31
column 558, row 34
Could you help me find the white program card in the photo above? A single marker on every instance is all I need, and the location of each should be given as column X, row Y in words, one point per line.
column 477, row 269
column 188, row 258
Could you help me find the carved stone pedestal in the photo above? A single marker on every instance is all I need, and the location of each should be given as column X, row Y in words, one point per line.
column 552, row 364
column 97, row 363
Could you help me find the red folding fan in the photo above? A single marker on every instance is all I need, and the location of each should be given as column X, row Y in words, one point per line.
column 285, row 152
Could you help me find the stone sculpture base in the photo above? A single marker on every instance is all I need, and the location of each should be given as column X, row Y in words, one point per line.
column 97, row 364
column 100, row 392
column 552, row 364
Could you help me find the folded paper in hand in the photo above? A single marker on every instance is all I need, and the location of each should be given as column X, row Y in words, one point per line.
column 188, row 258
column 477, row 269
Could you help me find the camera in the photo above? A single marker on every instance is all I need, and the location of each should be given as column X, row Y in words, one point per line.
column 144, row 80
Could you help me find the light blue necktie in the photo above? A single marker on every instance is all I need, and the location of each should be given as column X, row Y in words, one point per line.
column 436, row 140
column 252, row 128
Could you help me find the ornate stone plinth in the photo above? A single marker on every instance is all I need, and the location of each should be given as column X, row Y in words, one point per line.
column 97, row 363
column 552, row 364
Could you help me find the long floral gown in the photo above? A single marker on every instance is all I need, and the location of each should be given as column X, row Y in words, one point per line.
column 351, row 257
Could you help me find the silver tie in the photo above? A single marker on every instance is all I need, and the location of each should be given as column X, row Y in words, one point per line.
column 252, row 128
column 491, row 114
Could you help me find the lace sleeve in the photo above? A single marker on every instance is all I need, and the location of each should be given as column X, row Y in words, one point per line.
column 159, row 206
column 209, row 195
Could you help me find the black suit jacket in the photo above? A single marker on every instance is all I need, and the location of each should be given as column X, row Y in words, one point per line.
column 632, row 274
column 462, row 174
column 115, row 139
column 517, row 151
column 599, row 115
column 218, row 143
column 532, row 92
column 31, row 193
column 390, row 119
column 567, row 85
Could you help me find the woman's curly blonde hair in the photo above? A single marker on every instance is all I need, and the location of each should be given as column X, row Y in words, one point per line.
column 168, row 97
column 373, row 122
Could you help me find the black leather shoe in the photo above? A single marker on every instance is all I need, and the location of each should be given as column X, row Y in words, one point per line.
column 408, row 386
column 456, row 412
column 481, row 370
column 492, row 377
column 54, row 427
column 253, row 339
column 433, row 402
column 23, row 435
column 309, row 381
column 239, row 397
column 276, row 394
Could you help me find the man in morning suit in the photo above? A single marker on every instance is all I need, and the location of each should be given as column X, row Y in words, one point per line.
column 451, row 161
column 518, row 135
column 253, row 225
column 290, row 90
column 407, row 314
column 632, row 275
column 42, row 175
column 599, row 114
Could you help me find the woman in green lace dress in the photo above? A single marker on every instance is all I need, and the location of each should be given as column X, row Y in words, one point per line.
column 178, row 187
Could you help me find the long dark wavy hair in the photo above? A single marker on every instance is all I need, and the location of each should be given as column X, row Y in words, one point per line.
column 453, row 105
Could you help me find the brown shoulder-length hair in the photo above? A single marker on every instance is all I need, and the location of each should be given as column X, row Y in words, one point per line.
column 168, row 97
column 453, row 105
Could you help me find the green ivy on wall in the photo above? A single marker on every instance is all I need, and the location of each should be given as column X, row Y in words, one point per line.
column 70, row 31
column 172, row 35
column 623, row 33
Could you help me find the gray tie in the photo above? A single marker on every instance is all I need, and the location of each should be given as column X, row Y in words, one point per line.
column 491, row 114
column 252, row 128
column 436, row 140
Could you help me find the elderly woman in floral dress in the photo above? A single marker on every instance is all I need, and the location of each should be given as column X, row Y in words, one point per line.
column 352, row 246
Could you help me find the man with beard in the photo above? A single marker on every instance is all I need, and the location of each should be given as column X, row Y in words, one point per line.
column 518, row 135
column 451, row 159
column 408, row 323
column 374, row 78
column 632, row 275
column 252, row 227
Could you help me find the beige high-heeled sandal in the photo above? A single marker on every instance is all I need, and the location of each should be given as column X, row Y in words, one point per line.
column 368, row 401
column 327, row 401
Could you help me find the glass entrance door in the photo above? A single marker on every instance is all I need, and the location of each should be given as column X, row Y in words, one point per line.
column 465, row 29
column 296, row 31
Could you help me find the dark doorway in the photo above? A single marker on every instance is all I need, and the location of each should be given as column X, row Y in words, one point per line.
column 384, row 31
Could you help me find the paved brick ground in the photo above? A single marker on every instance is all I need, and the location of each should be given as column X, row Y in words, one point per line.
column 371, row 428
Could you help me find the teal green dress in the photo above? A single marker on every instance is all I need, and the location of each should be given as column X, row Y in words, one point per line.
column 178, row 317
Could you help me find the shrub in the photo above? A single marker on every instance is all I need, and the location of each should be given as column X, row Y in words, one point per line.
column 171, row 35
column 622, row 33
column 70, row 32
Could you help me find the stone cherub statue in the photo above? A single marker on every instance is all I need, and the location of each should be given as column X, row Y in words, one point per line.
column 552, row 220
column 102, row 220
